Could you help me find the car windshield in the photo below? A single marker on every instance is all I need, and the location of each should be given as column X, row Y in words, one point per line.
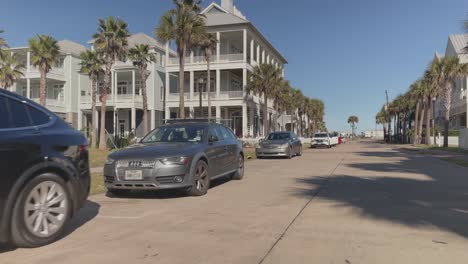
column 187, row 133
column 321, row 135
column 278, row 136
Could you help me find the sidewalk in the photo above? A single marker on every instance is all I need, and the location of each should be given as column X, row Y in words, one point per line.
column 459, row 158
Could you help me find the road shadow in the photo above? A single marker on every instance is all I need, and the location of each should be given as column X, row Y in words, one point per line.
column 415, row 191
column 89, row 211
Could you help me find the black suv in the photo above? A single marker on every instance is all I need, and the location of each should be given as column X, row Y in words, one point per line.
column 44, row 172
column 186, row 155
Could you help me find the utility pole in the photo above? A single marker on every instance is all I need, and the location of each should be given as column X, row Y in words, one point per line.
column 386, row 117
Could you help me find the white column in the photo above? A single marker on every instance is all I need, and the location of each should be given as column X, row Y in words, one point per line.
column 251, row 118
column 244, row 120
column 244, row 79
column 133, row 86
column 259, row 126
column 218, row 46
column 28, row 62
column 252, row 58
column 218, row 112
column 191, row 56
column 192, row 83
column 167, row 54
column 191, row 112
column 96, row 115
column 153, row 118
column 114, row 89
column 133, row 124
column 263, row 56
column 218, row 83
column 268, row 59
column 80, row 119
column 167, row 85
column 245, row 45
column 167, row 113
column 258, row 55
column 28, row 88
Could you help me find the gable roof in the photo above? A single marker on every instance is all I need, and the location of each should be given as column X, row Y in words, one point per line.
column 70, row 47
column 142, row 38
column 459, row 42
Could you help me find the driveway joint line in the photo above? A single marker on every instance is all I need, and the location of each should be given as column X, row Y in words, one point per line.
column 301, row 210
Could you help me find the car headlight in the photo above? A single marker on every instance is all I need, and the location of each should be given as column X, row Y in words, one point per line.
column 175, row 161
column 109, row 161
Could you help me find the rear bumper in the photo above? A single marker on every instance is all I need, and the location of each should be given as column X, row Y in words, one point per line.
column 320, row 144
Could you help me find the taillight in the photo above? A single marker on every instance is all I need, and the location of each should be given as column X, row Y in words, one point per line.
column 82, row 149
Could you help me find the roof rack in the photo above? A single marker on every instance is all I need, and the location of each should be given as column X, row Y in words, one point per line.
column 189, row 120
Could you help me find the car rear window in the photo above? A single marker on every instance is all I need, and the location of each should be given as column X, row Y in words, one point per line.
column 321, row 135
column 38, row 117
column 18, row 113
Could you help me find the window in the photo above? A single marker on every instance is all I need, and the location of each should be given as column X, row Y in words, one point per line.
column 18, row 113
column 222, row 134
column 5, row 118
column 189, row 134
column 122, row 88
column 38, row 117
column 228, row 133
column 213, row 132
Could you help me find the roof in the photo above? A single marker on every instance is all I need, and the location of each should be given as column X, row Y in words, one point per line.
column 218, row 16
column 142, row 38
column 70, row 47
column 459, row 42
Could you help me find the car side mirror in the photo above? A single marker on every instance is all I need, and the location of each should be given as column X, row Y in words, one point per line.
column 213, row 138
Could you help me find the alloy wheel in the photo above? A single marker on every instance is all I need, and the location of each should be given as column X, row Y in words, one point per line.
column 201, row 177
column 45, row 209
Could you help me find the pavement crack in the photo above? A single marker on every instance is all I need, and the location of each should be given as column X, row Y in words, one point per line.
column 302, row 209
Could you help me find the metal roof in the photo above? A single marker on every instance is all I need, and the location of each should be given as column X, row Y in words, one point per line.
column 70, row 47
column 459, row 42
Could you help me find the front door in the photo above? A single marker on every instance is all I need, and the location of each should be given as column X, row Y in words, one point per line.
column 214, row 152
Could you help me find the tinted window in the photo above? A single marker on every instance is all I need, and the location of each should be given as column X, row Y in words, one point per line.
column 230, row 133
column 221, row 134
column 213, row 132
column 5, row 118
column 278, row 136
column 19, row 113
column 175, row 134
column 38, row 117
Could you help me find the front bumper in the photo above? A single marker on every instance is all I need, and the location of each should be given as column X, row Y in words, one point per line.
column 160, row 177
column 317, row 144
column 272, row 152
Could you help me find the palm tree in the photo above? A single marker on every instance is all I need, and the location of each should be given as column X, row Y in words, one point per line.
column 381, row 119
column 3, row 45
column 110, row 42
column 262, row 82
column 10, row 70
column 279, row 87
column 208, row 44
column 447, row 70
column 91, row 65
column 141, row 56
column 315, row 113
column 353, row 120
column 45, row 53
column 416, row 93
column 184, row 24
column 282, row 99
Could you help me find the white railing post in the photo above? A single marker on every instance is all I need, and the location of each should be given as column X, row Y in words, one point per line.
column 218, row 46
column 245, row 45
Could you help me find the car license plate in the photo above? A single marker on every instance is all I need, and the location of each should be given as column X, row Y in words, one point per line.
column 133, row 175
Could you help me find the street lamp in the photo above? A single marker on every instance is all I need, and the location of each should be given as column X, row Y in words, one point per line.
column 433, row 118
column 200, row 85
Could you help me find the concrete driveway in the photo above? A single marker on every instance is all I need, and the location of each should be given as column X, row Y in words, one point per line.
column 356, row 203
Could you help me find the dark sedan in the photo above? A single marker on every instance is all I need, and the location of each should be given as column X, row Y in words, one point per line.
column 44, row 172
column 185, row 155
column 279, row 144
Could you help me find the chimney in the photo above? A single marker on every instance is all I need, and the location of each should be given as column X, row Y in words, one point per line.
column 228, row 5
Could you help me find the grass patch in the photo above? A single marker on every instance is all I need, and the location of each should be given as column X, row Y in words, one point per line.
column 449, row 149
column 463, row 163
column 97, row 157
column 97, row 184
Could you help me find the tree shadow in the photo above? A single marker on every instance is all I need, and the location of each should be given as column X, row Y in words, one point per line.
column 428, row 194
column 88, row 212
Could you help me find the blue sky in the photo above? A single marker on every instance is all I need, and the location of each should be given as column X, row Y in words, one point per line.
column 346, row 53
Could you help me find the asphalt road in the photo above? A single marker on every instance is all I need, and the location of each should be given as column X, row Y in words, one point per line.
column 356, row 203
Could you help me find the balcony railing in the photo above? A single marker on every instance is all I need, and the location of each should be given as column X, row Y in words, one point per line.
column 201, row 59
column 232, row 94
column 51, row 102
column 34, row 69
column 196, row 95
column 120, row 98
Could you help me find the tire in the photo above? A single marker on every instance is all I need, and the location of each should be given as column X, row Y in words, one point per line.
column 300, row 151
column 34, row 227
column 239, row 174
column 201, row 180
column 118, row 192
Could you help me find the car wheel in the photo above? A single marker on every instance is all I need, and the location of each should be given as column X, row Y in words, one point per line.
column 201, row 180
column 41, row 212
column 239, row 174
column 300, row 151
column 118, row 192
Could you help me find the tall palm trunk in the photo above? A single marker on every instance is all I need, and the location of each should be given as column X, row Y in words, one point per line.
column 276, row 115
column 143, row 76
column 208, row 85
column 428, row 121
column 42, row 87
column 421, row 121
column 416, row 120
column 102, row 132
column 181, row 84
column 447, row 104
column 404, row 130
column 266, row 125
column 93, row 112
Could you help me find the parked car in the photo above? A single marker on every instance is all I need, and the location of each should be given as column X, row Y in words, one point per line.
column 44, row 172
column 279, row 144
column 323, row 139
column 183, row 155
